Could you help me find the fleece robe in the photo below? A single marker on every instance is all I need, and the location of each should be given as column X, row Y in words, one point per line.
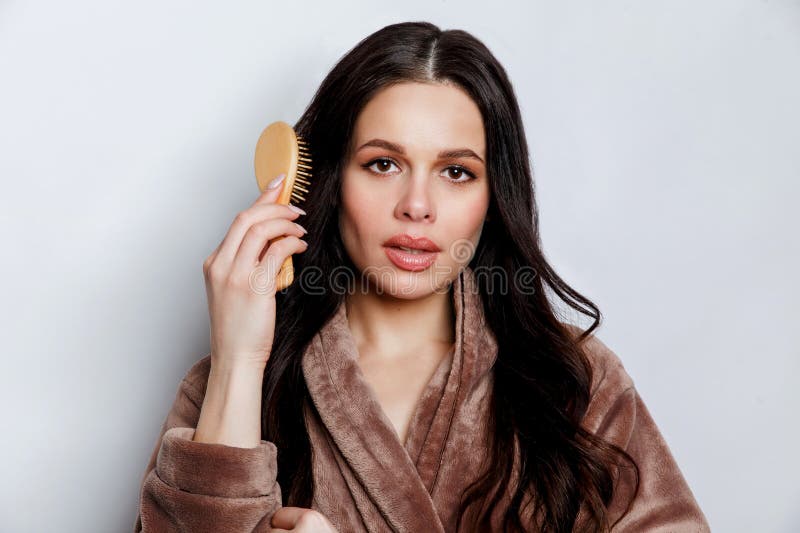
column 366, row 479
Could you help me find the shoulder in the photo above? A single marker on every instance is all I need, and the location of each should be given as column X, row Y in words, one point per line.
column 613, row 397
column 608, row 371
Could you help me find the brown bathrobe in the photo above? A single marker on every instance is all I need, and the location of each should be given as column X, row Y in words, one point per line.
column 366, row 479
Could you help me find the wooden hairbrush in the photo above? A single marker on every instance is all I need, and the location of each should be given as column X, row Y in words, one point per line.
column 280, row 150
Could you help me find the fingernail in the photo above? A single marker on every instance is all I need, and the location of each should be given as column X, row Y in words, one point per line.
column 296, row 209
column 276, row 181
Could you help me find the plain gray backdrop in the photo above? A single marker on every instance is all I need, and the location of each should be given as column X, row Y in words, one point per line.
column 664, row 140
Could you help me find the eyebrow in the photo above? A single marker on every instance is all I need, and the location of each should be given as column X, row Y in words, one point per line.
column 444, row 154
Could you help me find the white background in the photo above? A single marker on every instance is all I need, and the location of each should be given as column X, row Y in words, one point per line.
column 664, row 139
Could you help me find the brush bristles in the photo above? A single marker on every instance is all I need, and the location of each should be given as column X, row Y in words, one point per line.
column 303, row 174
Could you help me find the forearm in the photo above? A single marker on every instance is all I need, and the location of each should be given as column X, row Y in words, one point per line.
column 231, row 411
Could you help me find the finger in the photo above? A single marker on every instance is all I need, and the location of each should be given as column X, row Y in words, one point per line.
column 287, row 517
column 258, row 236
column 272, row 190
column 282, row 248
column 274, row 257
column 232, row 239
column 244, row 220
column 268, row 196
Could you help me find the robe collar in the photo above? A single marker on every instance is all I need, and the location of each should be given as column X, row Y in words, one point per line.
column 399, row 478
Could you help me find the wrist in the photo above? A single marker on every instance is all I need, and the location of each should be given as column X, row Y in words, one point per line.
column 237, row 365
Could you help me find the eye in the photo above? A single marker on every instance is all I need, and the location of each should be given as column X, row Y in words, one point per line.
column 384, row 162
column 380, row 161
column 462, row 171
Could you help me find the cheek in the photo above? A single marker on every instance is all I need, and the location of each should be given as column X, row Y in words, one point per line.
column 465, row 220
column 358, row 211
column 462, row 228
column 355, row 196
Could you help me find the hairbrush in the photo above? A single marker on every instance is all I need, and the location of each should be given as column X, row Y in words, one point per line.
column 280, row 150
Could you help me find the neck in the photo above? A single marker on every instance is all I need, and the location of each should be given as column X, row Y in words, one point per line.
column 393, row 327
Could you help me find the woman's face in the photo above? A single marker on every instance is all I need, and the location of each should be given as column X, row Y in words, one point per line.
column 400, row 179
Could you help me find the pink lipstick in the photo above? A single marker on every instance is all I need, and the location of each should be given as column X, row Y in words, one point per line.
column 411, row 253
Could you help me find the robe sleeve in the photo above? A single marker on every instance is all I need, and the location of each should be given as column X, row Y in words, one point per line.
column 664, row 502
column 199, row 487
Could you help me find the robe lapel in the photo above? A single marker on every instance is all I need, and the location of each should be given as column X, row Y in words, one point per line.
column 387, row 478
column 474, row 355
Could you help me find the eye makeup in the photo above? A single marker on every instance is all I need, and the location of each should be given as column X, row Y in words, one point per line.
column 462, row 169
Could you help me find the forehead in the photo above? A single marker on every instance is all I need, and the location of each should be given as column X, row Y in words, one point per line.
column 422, row 117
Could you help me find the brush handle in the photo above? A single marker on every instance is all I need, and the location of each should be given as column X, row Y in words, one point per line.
column 285, row 275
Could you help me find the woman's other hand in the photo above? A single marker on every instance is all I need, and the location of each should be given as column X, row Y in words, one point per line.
column 300, row 520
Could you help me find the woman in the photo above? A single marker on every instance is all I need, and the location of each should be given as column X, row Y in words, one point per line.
column 398, row 390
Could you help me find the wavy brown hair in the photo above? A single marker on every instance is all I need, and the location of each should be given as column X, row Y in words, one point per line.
column 542, row 375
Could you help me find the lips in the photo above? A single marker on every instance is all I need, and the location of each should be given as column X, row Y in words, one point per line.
column 411, row 253
column 412, row 244
column 414, row 261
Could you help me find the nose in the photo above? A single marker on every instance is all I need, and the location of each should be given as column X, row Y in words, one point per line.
column 415, row 203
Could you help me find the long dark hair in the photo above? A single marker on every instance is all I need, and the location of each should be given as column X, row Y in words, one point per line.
column 542, row 375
